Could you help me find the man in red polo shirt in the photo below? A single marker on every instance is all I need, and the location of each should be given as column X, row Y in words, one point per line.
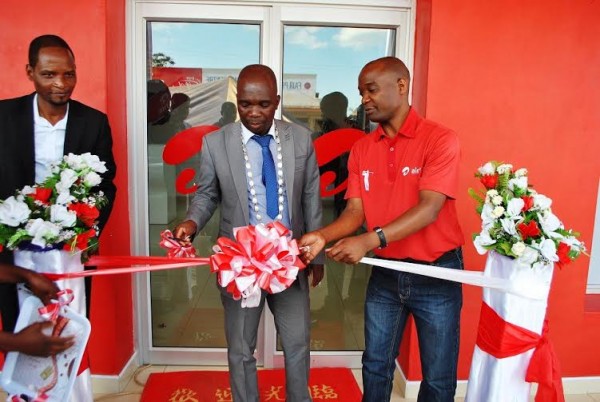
column 403, row 181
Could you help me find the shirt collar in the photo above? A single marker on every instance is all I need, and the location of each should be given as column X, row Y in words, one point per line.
column 247, row 134
column 39, row 120
column 408, row 128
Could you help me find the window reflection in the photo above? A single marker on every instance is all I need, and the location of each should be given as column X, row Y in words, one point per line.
column 191, row 92
column 320, row 72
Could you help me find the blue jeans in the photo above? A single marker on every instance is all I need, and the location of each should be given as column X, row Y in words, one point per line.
column 435, row 306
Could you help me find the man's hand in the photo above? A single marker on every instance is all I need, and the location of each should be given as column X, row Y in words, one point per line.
column 311, row 245
column 42, row 287
column 32, row 341
column 317, row 272
column 185, row 231
column 350, row 250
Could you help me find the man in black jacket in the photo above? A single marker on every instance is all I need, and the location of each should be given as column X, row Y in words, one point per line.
column 36, row 130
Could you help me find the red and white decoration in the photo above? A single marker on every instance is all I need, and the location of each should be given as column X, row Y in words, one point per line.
column 511, row 331
column 61, row 262
column 263, row 257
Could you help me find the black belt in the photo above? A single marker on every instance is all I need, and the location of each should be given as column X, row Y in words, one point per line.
column 441, row 258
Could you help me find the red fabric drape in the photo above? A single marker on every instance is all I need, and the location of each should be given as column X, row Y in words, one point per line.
column 502, row 339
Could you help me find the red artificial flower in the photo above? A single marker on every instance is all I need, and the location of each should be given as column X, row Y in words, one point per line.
column 1, row 248
column 85, row 213
column 81, row 240
column 42, row 194
column 563, row 254
column 489, row 181
column 528, row 202
column 530, row 229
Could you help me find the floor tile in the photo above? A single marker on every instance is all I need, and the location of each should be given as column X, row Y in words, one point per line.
column 578, row 398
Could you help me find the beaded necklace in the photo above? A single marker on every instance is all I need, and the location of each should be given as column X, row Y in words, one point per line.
column 279, row 165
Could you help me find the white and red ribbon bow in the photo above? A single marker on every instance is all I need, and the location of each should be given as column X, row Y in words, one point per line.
column 262, row 257
column 174, row 247
column 50, row 311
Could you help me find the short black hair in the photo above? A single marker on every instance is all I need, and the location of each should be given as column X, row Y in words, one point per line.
column 45, row 41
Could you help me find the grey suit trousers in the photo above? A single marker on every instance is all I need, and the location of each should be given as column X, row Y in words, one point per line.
column 291, row 309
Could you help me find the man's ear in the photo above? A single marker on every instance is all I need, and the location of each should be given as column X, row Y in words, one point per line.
column 402, row 85
column 29, row 72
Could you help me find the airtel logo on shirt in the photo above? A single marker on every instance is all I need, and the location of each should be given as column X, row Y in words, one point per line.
column 406, row 170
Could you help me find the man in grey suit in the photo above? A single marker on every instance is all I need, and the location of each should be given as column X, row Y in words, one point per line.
column 232, row 175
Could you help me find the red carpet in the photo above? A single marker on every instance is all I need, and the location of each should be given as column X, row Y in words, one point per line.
column 331, row 384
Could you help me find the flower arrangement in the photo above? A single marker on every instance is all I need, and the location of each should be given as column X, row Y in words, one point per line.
column 518, row 222
column 60, row 212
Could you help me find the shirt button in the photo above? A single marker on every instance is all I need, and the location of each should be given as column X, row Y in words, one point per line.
column 392, row 148
column 391, row 165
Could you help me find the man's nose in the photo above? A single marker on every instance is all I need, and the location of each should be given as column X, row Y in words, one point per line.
column 59, row 82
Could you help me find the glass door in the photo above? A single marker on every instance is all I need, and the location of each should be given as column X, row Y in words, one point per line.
column 183, row 68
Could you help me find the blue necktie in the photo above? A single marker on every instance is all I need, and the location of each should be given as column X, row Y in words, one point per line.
column 269, row 176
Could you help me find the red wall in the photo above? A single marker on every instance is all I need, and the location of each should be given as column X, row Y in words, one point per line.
column 95, row 30
column 519, row 81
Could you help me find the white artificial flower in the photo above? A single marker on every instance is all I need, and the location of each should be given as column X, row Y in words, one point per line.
column 521, row 172
column 13, row 212
column 518, row 248
column 573, row 242
column 519, row 182
column 504, row 168
column 514, row 208
column 92, row 179
column 509, row 225
column 541, row 202
column 548, row 250
column 492, row 193
column 42, row 231
column 498, row 212
column 487, row 216
column 67, row 178
column 61, row 215
column 94, row 162
column 528, row 257
column 75, row 162
column 549, row 222
column 497, row 200
column 484, row 239
column 486, row 169
column 64, row 197
column 27, row 190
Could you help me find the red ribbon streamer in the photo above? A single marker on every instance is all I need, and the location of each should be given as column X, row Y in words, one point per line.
column 106, row 265
column 502, row 339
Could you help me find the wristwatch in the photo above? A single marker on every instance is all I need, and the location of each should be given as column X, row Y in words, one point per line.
column 382, row 240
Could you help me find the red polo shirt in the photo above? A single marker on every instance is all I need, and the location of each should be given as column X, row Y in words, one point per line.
column 387, row 174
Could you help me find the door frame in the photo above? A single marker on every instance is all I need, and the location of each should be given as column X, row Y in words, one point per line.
column 271, row 16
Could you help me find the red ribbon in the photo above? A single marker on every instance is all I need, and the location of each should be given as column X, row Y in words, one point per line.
column 502, row 339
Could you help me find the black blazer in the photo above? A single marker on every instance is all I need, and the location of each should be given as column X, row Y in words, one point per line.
column 87, row 131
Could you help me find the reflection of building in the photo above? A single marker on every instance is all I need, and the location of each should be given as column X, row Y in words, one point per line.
column 208, row 88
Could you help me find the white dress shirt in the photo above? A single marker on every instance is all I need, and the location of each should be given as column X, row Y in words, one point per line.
column 48, row 143
column 255, row 155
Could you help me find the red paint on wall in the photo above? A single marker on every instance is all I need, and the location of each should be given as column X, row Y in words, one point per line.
column 518, row 81
column 97, row 37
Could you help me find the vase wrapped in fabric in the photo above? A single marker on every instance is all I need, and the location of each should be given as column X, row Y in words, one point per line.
column 509, row 331
column 59, row 262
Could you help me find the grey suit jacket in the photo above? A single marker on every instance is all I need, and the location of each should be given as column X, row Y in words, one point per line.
column 223, row 180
